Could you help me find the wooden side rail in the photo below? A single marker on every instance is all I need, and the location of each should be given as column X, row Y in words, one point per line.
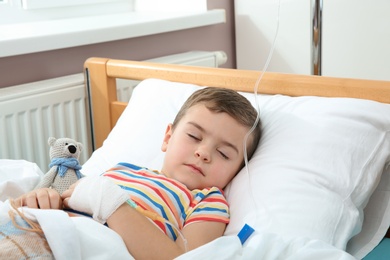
column 101, row 74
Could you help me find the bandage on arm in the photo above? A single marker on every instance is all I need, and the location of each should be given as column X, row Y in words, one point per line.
column 98, row 196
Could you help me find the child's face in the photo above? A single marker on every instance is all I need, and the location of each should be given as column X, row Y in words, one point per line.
column 204, row 150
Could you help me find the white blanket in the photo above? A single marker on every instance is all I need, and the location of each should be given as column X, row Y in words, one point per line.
column 83, row 238
column 74, row 238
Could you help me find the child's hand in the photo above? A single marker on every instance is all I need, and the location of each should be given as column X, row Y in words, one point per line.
column 43, row 198
column 68, row 193
column 97, row 196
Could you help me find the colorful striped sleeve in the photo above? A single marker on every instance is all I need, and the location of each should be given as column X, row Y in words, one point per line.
column 208, row 205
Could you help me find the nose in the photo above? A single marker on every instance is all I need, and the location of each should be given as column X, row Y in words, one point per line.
column 203, row 154
column 72, row 148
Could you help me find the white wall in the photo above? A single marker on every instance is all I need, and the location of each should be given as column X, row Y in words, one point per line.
column 256, row 26
column 356, row 37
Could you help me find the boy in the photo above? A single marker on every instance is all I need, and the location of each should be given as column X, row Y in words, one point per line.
column 203, row 151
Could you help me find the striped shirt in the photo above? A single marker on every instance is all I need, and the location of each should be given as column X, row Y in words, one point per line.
column 167, row 202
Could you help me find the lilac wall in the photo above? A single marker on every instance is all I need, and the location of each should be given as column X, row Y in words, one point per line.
column 38, row 66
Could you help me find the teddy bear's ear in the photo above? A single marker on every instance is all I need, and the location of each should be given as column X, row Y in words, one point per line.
column 51, row 141
column 80, row 146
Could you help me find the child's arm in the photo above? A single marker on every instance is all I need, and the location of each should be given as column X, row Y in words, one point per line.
column 106, row 202
column 145, row 241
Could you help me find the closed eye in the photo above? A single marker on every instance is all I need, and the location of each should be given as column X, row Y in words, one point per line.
column 194, row 137
column 223, row 155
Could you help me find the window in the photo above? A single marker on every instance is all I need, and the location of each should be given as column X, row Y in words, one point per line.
column 16, row 11
column 28, row 26
column 39, row 4
column 170, row 5
column 22, row 11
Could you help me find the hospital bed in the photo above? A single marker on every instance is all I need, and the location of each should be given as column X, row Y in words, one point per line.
column 318, row 184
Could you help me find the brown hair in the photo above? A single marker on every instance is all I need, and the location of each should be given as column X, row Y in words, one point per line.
column 222, row 100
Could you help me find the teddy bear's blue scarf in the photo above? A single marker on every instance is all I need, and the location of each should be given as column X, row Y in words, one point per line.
column 64, row 163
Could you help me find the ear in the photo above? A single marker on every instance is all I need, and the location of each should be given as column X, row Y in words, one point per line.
column 167, row 136
column 51, row 141
column 80, row 146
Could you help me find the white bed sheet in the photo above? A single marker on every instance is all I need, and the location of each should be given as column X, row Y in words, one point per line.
column 83, row 238
column 76, row 238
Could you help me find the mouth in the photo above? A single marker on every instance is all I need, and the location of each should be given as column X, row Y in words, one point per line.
column 195, row 169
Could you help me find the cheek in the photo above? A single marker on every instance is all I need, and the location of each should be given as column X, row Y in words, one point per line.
column 178, row 147
column 224, row 173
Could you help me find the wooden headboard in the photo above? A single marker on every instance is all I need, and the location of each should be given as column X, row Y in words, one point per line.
column 101, row 74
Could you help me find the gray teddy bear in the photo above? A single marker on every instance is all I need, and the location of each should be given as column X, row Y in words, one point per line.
column 64, row 166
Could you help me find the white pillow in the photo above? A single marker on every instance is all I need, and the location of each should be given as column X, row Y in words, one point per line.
column 318, row 162
column 376, row 220
column 17, row 177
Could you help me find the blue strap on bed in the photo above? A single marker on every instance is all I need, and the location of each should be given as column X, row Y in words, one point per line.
column 245, row 233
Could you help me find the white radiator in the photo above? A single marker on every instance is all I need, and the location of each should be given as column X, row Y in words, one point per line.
column 31, row 113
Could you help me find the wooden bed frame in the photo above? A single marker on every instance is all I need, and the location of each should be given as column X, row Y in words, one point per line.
column 101, row 74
